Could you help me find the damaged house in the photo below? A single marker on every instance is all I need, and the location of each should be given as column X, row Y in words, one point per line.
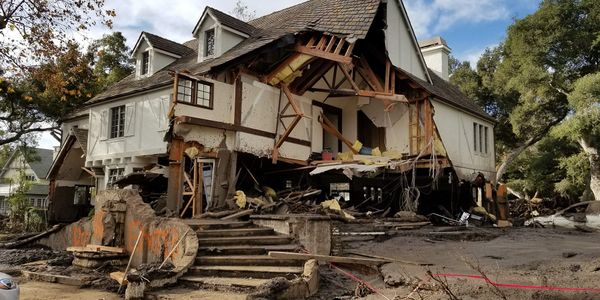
column 332, row 94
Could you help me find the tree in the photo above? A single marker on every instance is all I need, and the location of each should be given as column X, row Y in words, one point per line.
column 583, row 125
column 111, row 60
column 39, row 99
column 242, row 12
column 34, row 31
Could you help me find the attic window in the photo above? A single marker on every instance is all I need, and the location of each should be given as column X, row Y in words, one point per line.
column 209, row 42
column 145, row 62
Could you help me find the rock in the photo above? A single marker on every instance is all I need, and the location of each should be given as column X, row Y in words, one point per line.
column 394, row 275
column 569, row 254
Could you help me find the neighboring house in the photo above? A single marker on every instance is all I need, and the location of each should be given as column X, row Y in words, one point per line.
column 34, row 168
column 290, row 87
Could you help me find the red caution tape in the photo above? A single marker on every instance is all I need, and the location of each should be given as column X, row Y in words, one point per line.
column 520, row 286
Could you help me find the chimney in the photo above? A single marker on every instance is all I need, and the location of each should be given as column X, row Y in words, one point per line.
column 435, row 52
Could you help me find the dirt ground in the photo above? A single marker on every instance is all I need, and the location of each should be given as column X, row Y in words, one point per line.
column 524, row 256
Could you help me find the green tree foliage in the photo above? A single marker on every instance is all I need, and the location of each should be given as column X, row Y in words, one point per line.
column 39, row 99
column 110, row 59
column 528, row 84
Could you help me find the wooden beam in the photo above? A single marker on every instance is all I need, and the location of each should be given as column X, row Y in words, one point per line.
column 323, row 54
column 387, row 76
column 349, row 78
column 340, row 45
column 285, row 64
column 329, row 127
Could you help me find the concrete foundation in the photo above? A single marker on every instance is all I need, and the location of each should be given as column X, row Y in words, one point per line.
column 312, row 231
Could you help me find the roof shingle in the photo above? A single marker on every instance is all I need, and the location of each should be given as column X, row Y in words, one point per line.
column 167, row 45
column 231, row 22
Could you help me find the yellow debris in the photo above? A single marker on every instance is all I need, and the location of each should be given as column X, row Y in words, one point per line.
column 392, row 154
column 376, row 152
column 345, row 156
column 357, row 146
column 240, row 199
column 331, row 204
column 192, row 152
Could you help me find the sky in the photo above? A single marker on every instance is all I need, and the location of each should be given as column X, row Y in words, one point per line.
column 468, row 26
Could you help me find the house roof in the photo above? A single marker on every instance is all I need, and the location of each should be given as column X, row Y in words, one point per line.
column 81, row 135
column 351, row 18
column 450, row 93
column 75, row 135
column 230, row 21
column 166, row 44
column 39, row 162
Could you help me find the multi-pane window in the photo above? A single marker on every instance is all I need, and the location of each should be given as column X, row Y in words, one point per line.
column 209, row 42
column 30, row 177
column 117, row 121
column 204, row 94
column 185, row 90
column 145, row 62
column 480, row 138
column 195, row 92
column 114, row 175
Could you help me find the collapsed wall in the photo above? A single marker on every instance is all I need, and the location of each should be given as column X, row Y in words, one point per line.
column 119, row 217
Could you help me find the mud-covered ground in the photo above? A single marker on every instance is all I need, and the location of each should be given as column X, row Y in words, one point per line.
column 553, row 258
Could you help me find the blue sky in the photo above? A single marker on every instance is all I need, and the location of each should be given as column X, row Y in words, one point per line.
column 469, row 26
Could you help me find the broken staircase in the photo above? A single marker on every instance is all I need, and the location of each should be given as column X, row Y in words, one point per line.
column 234, row 254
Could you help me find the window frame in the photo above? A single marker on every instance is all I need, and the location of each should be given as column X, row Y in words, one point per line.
column 120, row 172
column 145, row 63
column 480, row 139
column 194, row 93
column 120, row 126
column 206, row 37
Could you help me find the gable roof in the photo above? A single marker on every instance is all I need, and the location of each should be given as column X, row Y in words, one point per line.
column 161, row 43
column 226, row 20
column 39, row 163
column 350, row 18
column 75, row 135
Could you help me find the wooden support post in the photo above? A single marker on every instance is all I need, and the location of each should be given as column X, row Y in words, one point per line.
column 387, row 76
column 174, row 190
column 199, row 208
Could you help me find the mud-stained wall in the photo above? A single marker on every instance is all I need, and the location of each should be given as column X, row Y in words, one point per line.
column 158, row 238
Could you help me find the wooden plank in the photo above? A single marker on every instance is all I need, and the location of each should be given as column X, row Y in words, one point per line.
column 349, row 50
column 323, row 54
column 237, row 118
column 329, row 127
column 130, row 259
column 106, row 248
column 321, row 42
column 119, row 277
column 328, row 258
column 239, row 214
column 387, row 76
column 349, row 78
column 330, row 44
column 339, row 46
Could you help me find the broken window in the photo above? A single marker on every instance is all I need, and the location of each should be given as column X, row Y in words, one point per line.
column 209, row 42
column 114, row 175
column 341, row 190
column 145, row 63
column 117, row 121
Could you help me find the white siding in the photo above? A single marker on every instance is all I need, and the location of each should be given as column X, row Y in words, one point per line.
column 402, row 50
column 456, row 131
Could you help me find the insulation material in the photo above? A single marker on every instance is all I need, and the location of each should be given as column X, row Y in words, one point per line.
column 290, row 72
column 263, row 147
column 375, row 110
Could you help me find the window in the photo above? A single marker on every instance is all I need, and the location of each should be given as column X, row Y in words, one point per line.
column 195, row 92
column 3, row 204
column 117, row 121
column 114, row 175
column 204, row 94
column 209, row 42
column 145, row 63
column 30, row 177
column 480, row 138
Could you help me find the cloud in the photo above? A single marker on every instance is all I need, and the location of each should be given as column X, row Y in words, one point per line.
column 430, row 17
column 472, row 55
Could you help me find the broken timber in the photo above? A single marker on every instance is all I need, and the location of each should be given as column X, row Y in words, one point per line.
column 328, row 258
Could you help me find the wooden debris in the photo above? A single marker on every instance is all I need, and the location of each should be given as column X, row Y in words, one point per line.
column 327, row 258
column 119, row 277
column 239, row 214
column 130, row 259
column 173, row 250
column 107, row 248
column 388, row 259
column 34, row 238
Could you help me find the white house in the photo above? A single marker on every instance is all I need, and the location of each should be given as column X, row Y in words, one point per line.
column 290, row 87
column 32, row 168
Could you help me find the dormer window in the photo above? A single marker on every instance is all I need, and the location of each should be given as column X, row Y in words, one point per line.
column 145, row 63
column 209, row 42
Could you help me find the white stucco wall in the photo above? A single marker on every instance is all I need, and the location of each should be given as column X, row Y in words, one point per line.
column 145, row 127
column 402, row 50
column 456, row 131
column 223, row 101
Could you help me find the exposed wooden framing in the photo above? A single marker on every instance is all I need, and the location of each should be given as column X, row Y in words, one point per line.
column 349, row 50
column 387, row 75
column 339, row 46
column 323, row 54
column 393, row 82
column 237, row 119
column 428, row 116
column 175, row 185
column 195, row 185
column 349, row 77
column 231, row 127
column 298, row 114
column 330, row 44
column 329, row 127
column 285, row 64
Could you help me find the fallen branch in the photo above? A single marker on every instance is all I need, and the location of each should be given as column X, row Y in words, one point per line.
column 34, row 238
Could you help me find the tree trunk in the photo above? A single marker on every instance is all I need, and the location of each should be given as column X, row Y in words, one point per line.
column 594, row 158
column 511, row 156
